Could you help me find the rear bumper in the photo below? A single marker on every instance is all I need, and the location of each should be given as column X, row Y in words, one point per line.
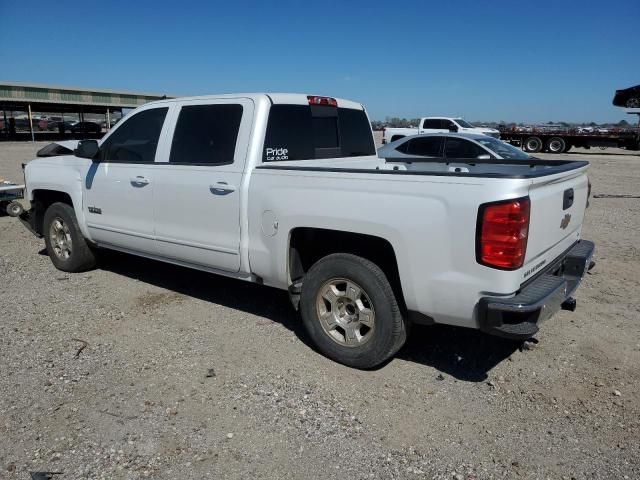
column 518, row 317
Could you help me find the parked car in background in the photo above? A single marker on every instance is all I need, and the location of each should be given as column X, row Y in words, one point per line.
column 86, row 127
column 437, row 125
column 55, row 126
column 112, row 123
column 23, row 124
column 450, row 145
column 629, row 97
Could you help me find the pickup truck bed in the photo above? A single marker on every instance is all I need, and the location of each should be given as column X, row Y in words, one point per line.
column 442, row 296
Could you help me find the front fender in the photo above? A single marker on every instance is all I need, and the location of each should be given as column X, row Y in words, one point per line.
column 57, row 176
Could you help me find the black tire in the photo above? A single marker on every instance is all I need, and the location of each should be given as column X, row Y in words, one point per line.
column 556, row 145
column 567, row 147
column 389, row 330
column 532, row 145
column 14, row 209
column 78, row 257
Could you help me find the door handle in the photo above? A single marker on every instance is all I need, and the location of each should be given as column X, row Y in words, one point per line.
column 567, row 199
column 139, row 181
column 221, row 187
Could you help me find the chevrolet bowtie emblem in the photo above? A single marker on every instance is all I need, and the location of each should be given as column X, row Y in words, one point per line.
column 564, row 223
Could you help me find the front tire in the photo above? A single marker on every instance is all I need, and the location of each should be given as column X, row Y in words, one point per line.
column 66, row 246
column 350, row 311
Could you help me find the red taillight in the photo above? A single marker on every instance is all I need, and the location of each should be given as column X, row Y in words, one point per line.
column 503, row 228
column 327, row 101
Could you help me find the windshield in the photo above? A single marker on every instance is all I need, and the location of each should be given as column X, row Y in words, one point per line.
column 463, row 123
column 503, row 149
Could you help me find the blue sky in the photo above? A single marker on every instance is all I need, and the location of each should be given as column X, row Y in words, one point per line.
column 493, row 60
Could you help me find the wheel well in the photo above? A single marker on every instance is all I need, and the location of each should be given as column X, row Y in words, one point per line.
column 308, row 245
column 43, row 199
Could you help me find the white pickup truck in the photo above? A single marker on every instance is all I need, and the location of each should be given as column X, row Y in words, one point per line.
column 286, row 190
column 436, row 125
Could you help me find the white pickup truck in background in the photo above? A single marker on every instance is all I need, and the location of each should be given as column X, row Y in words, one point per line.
column 286, row 190
column 437, row 125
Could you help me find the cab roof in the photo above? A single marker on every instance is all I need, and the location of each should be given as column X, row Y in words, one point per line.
column 274, row 98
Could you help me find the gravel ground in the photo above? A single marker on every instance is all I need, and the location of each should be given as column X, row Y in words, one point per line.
column 145, row 370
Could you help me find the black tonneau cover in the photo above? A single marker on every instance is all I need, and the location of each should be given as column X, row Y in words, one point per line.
column 454, row 168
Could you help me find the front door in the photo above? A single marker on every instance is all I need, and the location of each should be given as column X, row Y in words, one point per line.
column 118, row 188
column 197, row 184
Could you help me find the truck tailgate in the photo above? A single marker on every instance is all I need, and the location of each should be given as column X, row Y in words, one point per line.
column 558, row 205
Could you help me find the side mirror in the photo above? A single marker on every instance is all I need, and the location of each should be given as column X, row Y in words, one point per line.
column 453, row 128
column 87, row 149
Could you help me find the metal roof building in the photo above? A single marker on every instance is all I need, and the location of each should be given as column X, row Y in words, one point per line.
column 31, row 98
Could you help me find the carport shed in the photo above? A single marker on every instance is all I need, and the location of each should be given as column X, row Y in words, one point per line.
column 31, row 98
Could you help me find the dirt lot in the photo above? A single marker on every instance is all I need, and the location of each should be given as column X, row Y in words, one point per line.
column 188, row 375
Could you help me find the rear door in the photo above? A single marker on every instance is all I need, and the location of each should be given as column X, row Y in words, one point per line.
column 197, row 189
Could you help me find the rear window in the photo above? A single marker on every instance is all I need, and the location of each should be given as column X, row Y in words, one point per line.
column 301, row 132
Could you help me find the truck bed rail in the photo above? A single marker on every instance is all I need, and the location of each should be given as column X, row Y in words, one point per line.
column 518, row 169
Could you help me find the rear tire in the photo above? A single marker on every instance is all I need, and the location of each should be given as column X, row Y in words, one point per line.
column 567, row 147
column 65, row 243
column 532, row 145
column 556, row 145
column 350, row 311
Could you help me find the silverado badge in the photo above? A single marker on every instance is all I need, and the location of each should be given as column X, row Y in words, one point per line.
column 564, row 223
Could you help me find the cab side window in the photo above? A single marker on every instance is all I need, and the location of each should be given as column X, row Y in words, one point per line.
column 431, row 124
column 136, row 140
column 425, row 146
column 206, row 134
column 461, row 148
